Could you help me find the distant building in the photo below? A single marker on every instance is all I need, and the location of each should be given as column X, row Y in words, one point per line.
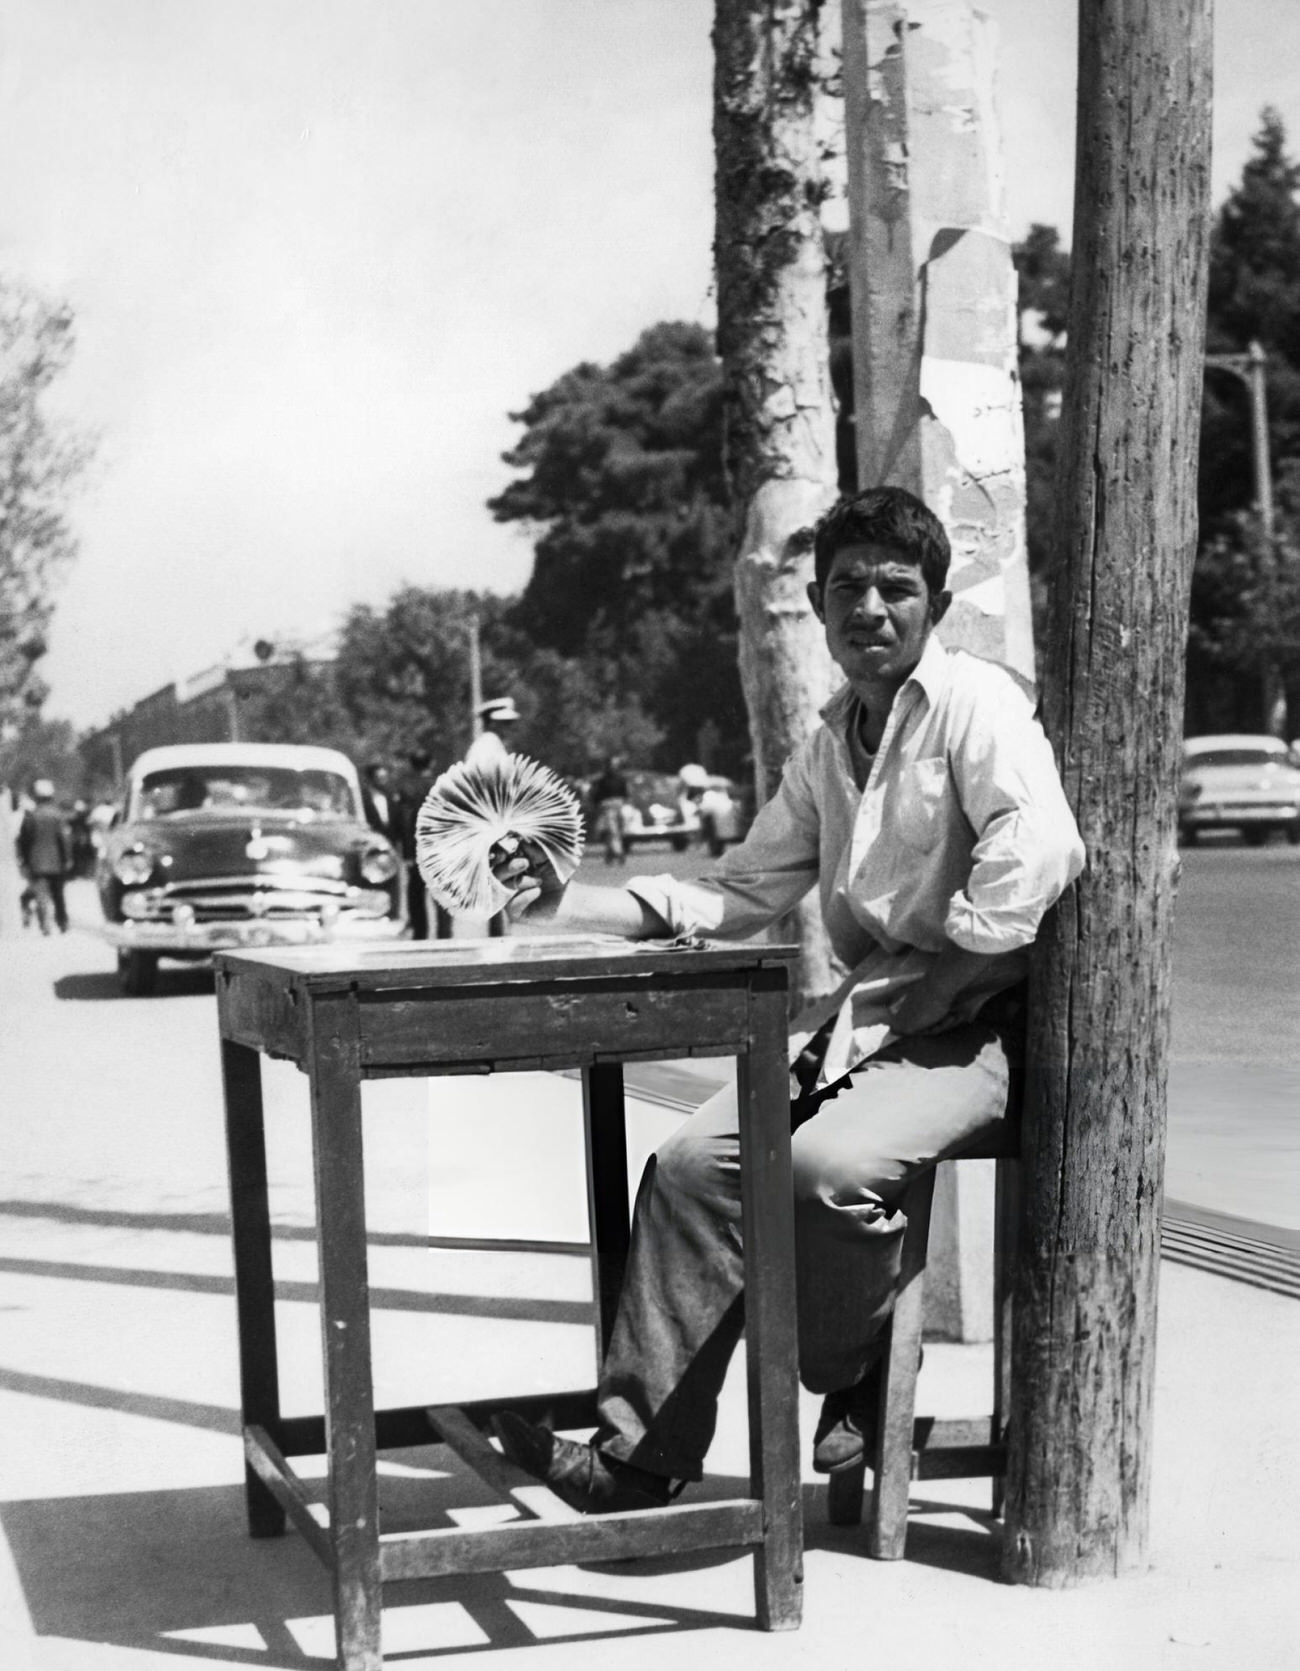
column 205, row 708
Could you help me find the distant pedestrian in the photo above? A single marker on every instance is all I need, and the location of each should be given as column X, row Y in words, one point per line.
column 44, row 847
column 378, row 801
column 608, row 804
column 427, row 918
column 83, row 848
column 498, row 716
column 101, row 819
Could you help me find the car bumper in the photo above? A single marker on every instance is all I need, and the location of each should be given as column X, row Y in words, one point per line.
column 201, row 939
column 1237, row 816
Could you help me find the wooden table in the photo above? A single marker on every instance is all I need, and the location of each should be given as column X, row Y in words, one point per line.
column 345, row 1014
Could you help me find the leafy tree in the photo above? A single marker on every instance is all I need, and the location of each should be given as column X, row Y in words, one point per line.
column 621, row 472
column 38, row 461
column 1242, row 627
column 403, row 675
column 1245, row 616
column 1254, row 296
column 302, row 705
column 37, row 747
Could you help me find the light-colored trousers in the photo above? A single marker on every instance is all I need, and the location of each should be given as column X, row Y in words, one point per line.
column 681, row 1310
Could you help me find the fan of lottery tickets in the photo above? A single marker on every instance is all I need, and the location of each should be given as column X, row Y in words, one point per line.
column 471, row 810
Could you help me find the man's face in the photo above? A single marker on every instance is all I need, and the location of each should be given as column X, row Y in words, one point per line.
column 878, row 612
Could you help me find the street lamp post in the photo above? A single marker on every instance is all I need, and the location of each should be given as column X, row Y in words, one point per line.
column 1249, row 367
column 475, row 675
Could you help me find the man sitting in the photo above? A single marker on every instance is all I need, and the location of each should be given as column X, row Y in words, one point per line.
column 928, row 811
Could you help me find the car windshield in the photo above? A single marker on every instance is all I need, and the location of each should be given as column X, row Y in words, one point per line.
column 1236, row 757
column 243, row 789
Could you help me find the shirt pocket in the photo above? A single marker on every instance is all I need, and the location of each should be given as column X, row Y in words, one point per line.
column 922, row 792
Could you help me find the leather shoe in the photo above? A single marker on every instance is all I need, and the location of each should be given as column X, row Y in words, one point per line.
column 846, row 1428
column 580, row 1475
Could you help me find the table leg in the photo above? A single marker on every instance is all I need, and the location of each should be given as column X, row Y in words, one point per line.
column 250, row 1217
column 767, row 1209
column 607, row 1211
column 345, row 1332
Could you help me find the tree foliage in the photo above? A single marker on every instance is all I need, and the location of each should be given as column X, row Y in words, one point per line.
column 36, row 747
column 1254, row 296
column 38, row 460
column 1243, row 612
column 621, row 474
column 400, row 685
column 1244, row 608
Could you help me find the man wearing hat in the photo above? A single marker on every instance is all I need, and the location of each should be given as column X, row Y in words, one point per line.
column 45, row 855
column 496, row 716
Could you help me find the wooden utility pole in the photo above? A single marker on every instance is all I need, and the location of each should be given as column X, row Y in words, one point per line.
column 772, row 336
column 1080, row 1432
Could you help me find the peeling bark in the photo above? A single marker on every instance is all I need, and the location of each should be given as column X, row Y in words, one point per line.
column 936, row 379
column 1080, row 1439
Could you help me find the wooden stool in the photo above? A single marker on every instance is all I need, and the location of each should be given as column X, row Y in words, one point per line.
column 909, row 1447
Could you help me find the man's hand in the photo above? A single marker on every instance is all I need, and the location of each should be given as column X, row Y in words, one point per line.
column 534, row 886
column 933, row 1004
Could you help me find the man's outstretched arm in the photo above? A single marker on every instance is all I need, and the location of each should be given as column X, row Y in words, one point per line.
column 539, row 895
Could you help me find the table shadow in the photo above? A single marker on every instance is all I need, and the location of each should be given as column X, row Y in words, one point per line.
column 175, row 1572
column 175, row 980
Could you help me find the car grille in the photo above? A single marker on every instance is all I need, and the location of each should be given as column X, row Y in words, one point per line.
column 246, row 900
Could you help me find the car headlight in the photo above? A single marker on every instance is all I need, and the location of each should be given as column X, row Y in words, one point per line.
column 134, row 866
column 378, row 864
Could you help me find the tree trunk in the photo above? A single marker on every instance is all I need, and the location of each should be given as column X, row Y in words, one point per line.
column 772, row 336
column 1080, row 1434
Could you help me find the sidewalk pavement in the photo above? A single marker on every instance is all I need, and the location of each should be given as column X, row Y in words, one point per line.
column 121, row 1470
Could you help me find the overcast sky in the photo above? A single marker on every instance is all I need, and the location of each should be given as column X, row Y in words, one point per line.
column 319, row 249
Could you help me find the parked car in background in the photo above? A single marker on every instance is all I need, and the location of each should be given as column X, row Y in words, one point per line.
column 1239, row 782
column 661, row 809
column 221, row 845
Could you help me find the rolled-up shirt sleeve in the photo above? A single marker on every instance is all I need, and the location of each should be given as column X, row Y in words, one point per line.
column 756, row 882
column 1027, row 844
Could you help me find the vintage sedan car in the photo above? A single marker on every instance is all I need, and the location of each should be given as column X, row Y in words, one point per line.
column 222, row 845
column 1239, row 782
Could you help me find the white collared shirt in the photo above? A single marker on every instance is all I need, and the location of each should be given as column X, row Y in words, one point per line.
column 962, row 834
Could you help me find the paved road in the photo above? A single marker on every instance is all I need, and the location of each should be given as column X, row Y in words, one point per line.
column 1234, row 1094
column 1234, row 1113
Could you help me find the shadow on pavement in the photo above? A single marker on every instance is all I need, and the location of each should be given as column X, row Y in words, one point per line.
column 172, row 983
column 972, row 1546
column 218, row 1224
column 506, row 1309
column 214, row 1418
column 175, row 1571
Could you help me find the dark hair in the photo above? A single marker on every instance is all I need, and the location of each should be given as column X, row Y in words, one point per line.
column 884, row 516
